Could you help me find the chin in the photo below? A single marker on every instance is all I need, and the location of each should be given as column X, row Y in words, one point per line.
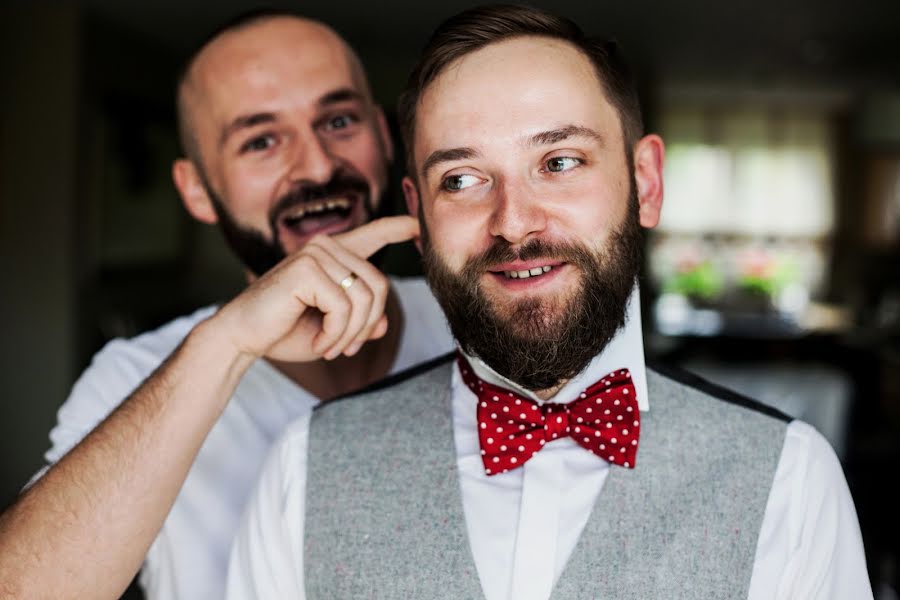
column 533, row 318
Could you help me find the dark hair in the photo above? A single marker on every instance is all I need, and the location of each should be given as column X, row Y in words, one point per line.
column 239, row 21
column 476, row 28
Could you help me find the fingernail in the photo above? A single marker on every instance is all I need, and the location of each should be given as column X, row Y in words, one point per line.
column 353, row 348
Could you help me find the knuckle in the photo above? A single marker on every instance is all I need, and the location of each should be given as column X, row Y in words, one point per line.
column 308, row 268
column 345, row 306
column 318, row 239
column 364, row 293
column 380, row 286
column 305, row 261
column 342, row 302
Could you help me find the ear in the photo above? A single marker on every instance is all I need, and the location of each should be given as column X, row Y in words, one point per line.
column 649, row 155
column 385, row 132
column 411, row 193
column 193, row 193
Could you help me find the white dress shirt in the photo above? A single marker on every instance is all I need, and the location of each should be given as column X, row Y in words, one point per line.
column 524, row 524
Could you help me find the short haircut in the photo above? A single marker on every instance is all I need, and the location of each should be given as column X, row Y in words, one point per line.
column 476, row 28
column 189, row 145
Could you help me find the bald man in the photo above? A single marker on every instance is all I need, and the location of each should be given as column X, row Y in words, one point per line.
column 160, row 442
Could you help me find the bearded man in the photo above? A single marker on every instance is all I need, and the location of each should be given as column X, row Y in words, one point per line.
column 158, row 446
column 545, row 460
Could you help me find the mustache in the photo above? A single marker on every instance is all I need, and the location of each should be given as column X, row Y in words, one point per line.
column 501, row 251
column 342, row 183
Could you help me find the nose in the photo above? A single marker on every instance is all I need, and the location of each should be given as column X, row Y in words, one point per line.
column 517, row 214
column 312, row 160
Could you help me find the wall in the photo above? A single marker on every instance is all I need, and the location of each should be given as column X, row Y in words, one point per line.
column 38, row 195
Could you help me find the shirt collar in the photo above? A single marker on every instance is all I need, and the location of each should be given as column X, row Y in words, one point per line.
column 624, row 351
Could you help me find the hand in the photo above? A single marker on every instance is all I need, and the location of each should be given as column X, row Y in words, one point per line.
column 298, row 311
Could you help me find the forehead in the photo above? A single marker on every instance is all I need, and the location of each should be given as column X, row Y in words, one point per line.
column 510, row 90
column 275, row 65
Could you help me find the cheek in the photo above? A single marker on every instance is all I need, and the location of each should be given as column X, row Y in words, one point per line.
column 456, row 234
column 248, row 193
column 366, row 155
column 586, row 219
column 593, row 212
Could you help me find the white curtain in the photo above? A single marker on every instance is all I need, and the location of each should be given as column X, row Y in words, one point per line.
column 750, row 172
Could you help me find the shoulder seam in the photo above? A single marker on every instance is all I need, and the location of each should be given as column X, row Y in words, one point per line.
column 716, row 391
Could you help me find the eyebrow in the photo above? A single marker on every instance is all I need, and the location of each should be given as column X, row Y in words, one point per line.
column 543, row 138
column 245, row 122
column 340, row 95
column 439, row 156
column 565, row 132
column 254, row 119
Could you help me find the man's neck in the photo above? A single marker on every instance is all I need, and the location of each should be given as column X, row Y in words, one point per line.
column 329, row 379
column 550, row 392
column 489, row 374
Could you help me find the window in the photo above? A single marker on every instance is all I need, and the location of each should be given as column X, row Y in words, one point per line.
column 748, row 214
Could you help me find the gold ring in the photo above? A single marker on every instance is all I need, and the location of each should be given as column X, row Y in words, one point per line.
column 347, row 281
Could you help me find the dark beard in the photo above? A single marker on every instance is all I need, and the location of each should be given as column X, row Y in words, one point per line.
column 260, row 254
column 542, row 342
column 252, row 248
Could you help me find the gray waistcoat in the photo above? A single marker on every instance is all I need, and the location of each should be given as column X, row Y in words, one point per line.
column 384, row 515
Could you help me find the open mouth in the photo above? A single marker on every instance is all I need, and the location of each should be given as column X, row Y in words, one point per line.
column 317, row 215
column 525, row 274
column 532, row 271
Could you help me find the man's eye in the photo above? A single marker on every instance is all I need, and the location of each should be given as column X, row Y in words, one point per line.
column 258, row 144
column 562, row 163
column 455, row 183
column 340, row 122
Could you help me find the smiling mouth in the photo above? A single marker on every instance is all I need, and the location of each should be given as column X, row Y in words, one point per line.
column 525, row 274
column 530, row 273
column 309, row 217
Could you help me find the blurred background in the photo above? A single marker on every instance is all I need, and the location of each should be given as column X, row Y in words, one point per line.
column 775, row 270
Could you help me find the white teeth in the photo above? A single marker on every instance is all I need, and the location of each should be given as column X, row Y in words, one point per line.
column 297, row 213
column 528, row 273
column 318, row 206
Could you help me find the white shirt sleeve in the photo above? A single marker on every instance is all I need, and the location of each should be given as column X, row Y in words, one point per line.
column 809, row 544
column 267, row 554
column 114, row 373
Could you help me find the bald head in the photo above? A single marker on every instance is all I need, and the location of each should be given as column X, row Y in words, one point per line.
column 253, row 48
column 273, row 111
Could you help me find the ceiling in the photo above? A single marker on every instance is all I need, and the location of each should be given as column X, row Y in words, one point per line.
column 818, row 41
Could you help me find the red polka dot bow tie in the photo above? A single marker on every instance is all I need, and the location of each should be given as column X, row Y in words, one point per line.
column 604, row 419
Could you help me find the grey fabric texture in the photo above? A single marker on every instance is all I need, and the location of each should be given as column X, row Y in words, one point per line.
column 370, row 533
column 684, row 523
column 384, row 515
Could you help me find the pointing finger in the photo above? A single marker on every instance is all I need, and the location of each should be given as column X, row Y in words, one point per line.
column 366, row 240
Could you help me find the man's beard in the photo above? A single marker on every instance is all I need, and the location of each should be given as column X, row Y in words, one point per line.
column 541, row 342
column 254, row 249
